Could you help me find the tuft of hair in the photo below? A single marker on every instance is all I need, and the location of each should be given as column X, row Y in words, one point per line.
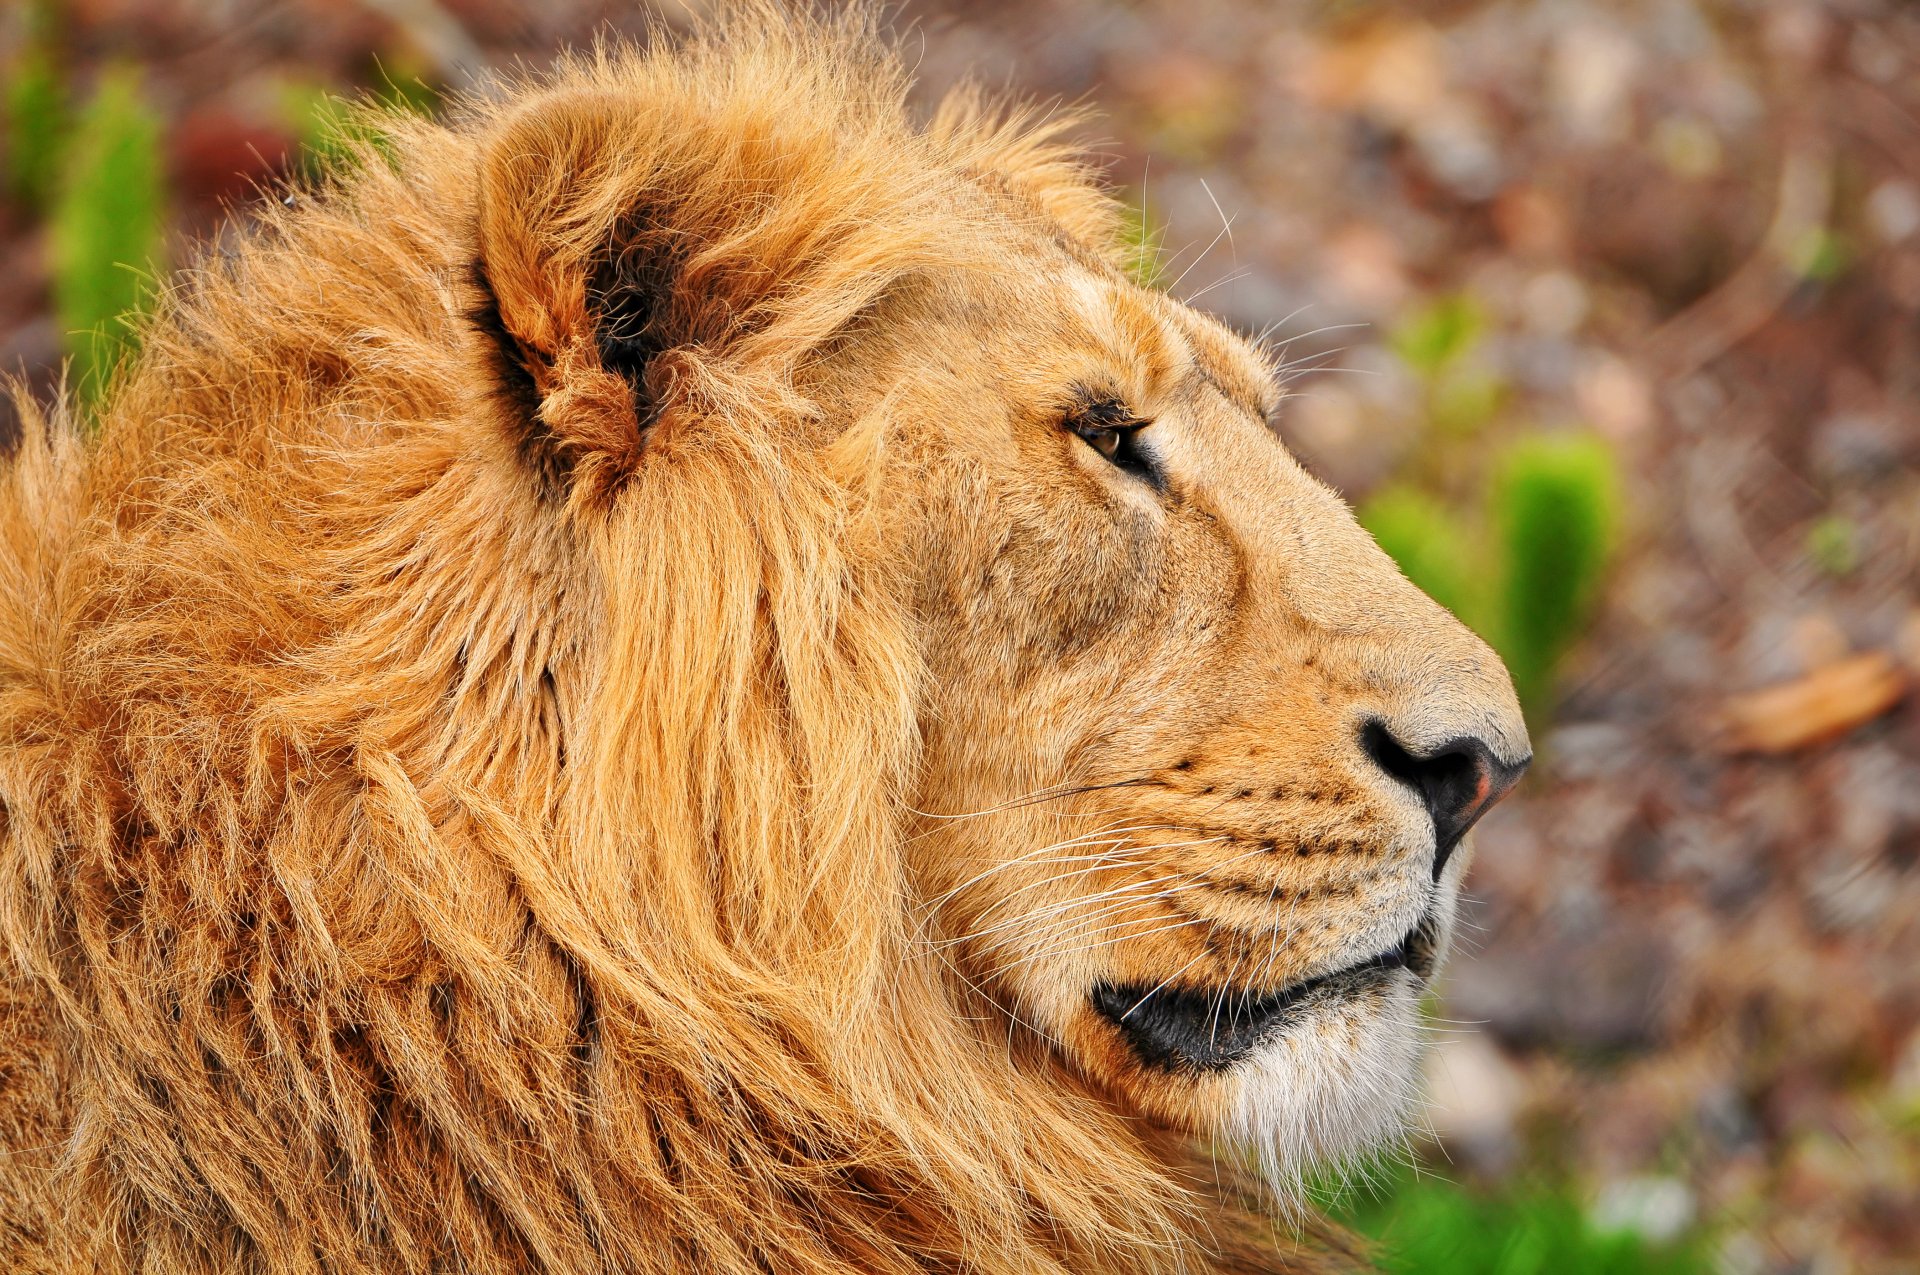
column 413, row 859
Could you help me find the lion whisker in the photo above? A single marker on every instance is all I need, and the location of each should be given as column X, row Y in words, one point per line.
column 1277, row 939
column 1053, row 953
column 1293, row 369
column 1012, row 1014
column 1263, row 339
column 1220, row 1002
column 1133, row 847
column 1221, row 282
column 1102, row 859
column 1089, row 838
column 1038, row 796
column 1114, row 900
column 1319, row 331
column 1112, row 907
column 1055, row 909
column 1226, row 232
column 1162, row 983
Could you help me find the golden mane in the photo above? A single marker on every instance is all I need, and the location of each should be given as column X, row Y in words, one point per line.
column 404, row 867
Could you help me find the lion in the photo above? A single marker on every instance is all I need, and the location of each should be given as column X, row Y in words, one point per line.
column 682, row 671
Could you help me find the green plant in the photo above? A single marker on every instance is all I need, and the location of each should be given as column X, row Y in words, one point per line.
column 1439, row 334
column 1464, row 396
column 1834, row 545
column 1427, row 1226
column 1549, row 519
column 1439, row 342
column 35, row 122
column 1552, row 512
column 1541, row 533
column 105, row 226
column 1819, row 255
column 329, row 130
column 1430, row 543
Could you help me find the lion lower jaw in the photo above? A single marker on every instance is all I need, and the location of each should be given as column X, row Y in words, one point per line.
column 1311, row 1100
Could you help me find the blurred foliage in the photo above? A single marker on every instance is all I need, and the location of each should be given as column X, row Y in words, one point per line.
column 1833, row 544
column 1431, row 544
column 96, row 178
column 1464, row 398
column 1426, row 1226
column 36, row 111
column 1521, row 559
column 106, row 225
column 332, row 131
column 1440, row 342
column 1819, row 255
column 1553, row 509
column 1439, row 334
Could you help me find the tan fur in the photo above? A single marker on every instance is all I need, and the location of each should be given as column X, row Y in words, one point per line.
column 582, row 713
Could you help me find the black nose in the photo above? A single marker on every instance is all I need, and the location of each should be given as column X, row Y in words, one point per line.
column 1460, row 781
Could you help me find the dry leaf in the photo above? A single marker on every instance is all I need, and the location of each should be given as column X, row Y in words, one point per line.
column 1826, row 703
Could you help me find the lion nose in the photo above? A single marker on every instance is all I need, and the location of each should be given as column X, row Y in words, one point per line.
column 1460, row 780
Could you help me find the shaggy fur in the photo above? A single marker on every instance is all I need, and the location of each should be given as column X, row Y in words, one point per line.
column 588, row 708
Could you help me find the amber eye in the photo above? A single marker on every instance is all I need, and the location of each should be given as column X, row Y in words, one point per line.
column 1104, row 441
column 1111, row 428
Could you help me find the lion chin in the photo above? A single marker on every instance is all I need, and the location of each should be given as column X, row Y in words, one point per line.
column 682, row 671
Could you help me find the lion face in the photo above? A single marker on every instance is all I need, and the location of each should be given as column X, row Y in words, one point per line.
column 1199, row 759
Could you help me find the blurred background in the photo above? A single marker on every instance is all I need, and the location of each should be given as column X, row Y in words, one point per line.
column 1606, row 316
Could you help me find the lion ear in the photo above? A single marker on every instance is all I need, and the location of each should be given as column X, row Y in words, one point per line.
column 651, row 252
column 577, row 260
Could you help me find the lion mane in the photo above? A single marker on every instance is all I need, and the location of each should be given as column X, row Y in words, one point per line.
column 406, row 867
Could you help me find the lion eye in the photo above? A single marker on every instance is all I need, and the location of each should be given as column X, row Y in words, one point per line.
column 1110, row 428
column 1105, row 441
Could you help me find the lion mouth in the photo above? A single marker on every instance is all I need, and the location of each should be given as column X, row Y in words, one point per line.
column 1211, row 1029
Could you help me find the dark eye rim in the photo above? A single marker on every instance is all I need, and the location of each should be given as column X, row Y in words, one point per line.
column 1112, row 429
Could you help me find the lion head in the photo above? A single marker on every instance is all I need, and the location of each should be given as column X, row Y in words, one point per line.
column 682, row 672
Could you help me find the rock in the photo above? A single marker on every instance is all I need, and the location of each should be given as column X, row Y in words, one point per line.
column 1474, row 1096
column 1659, row 1209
